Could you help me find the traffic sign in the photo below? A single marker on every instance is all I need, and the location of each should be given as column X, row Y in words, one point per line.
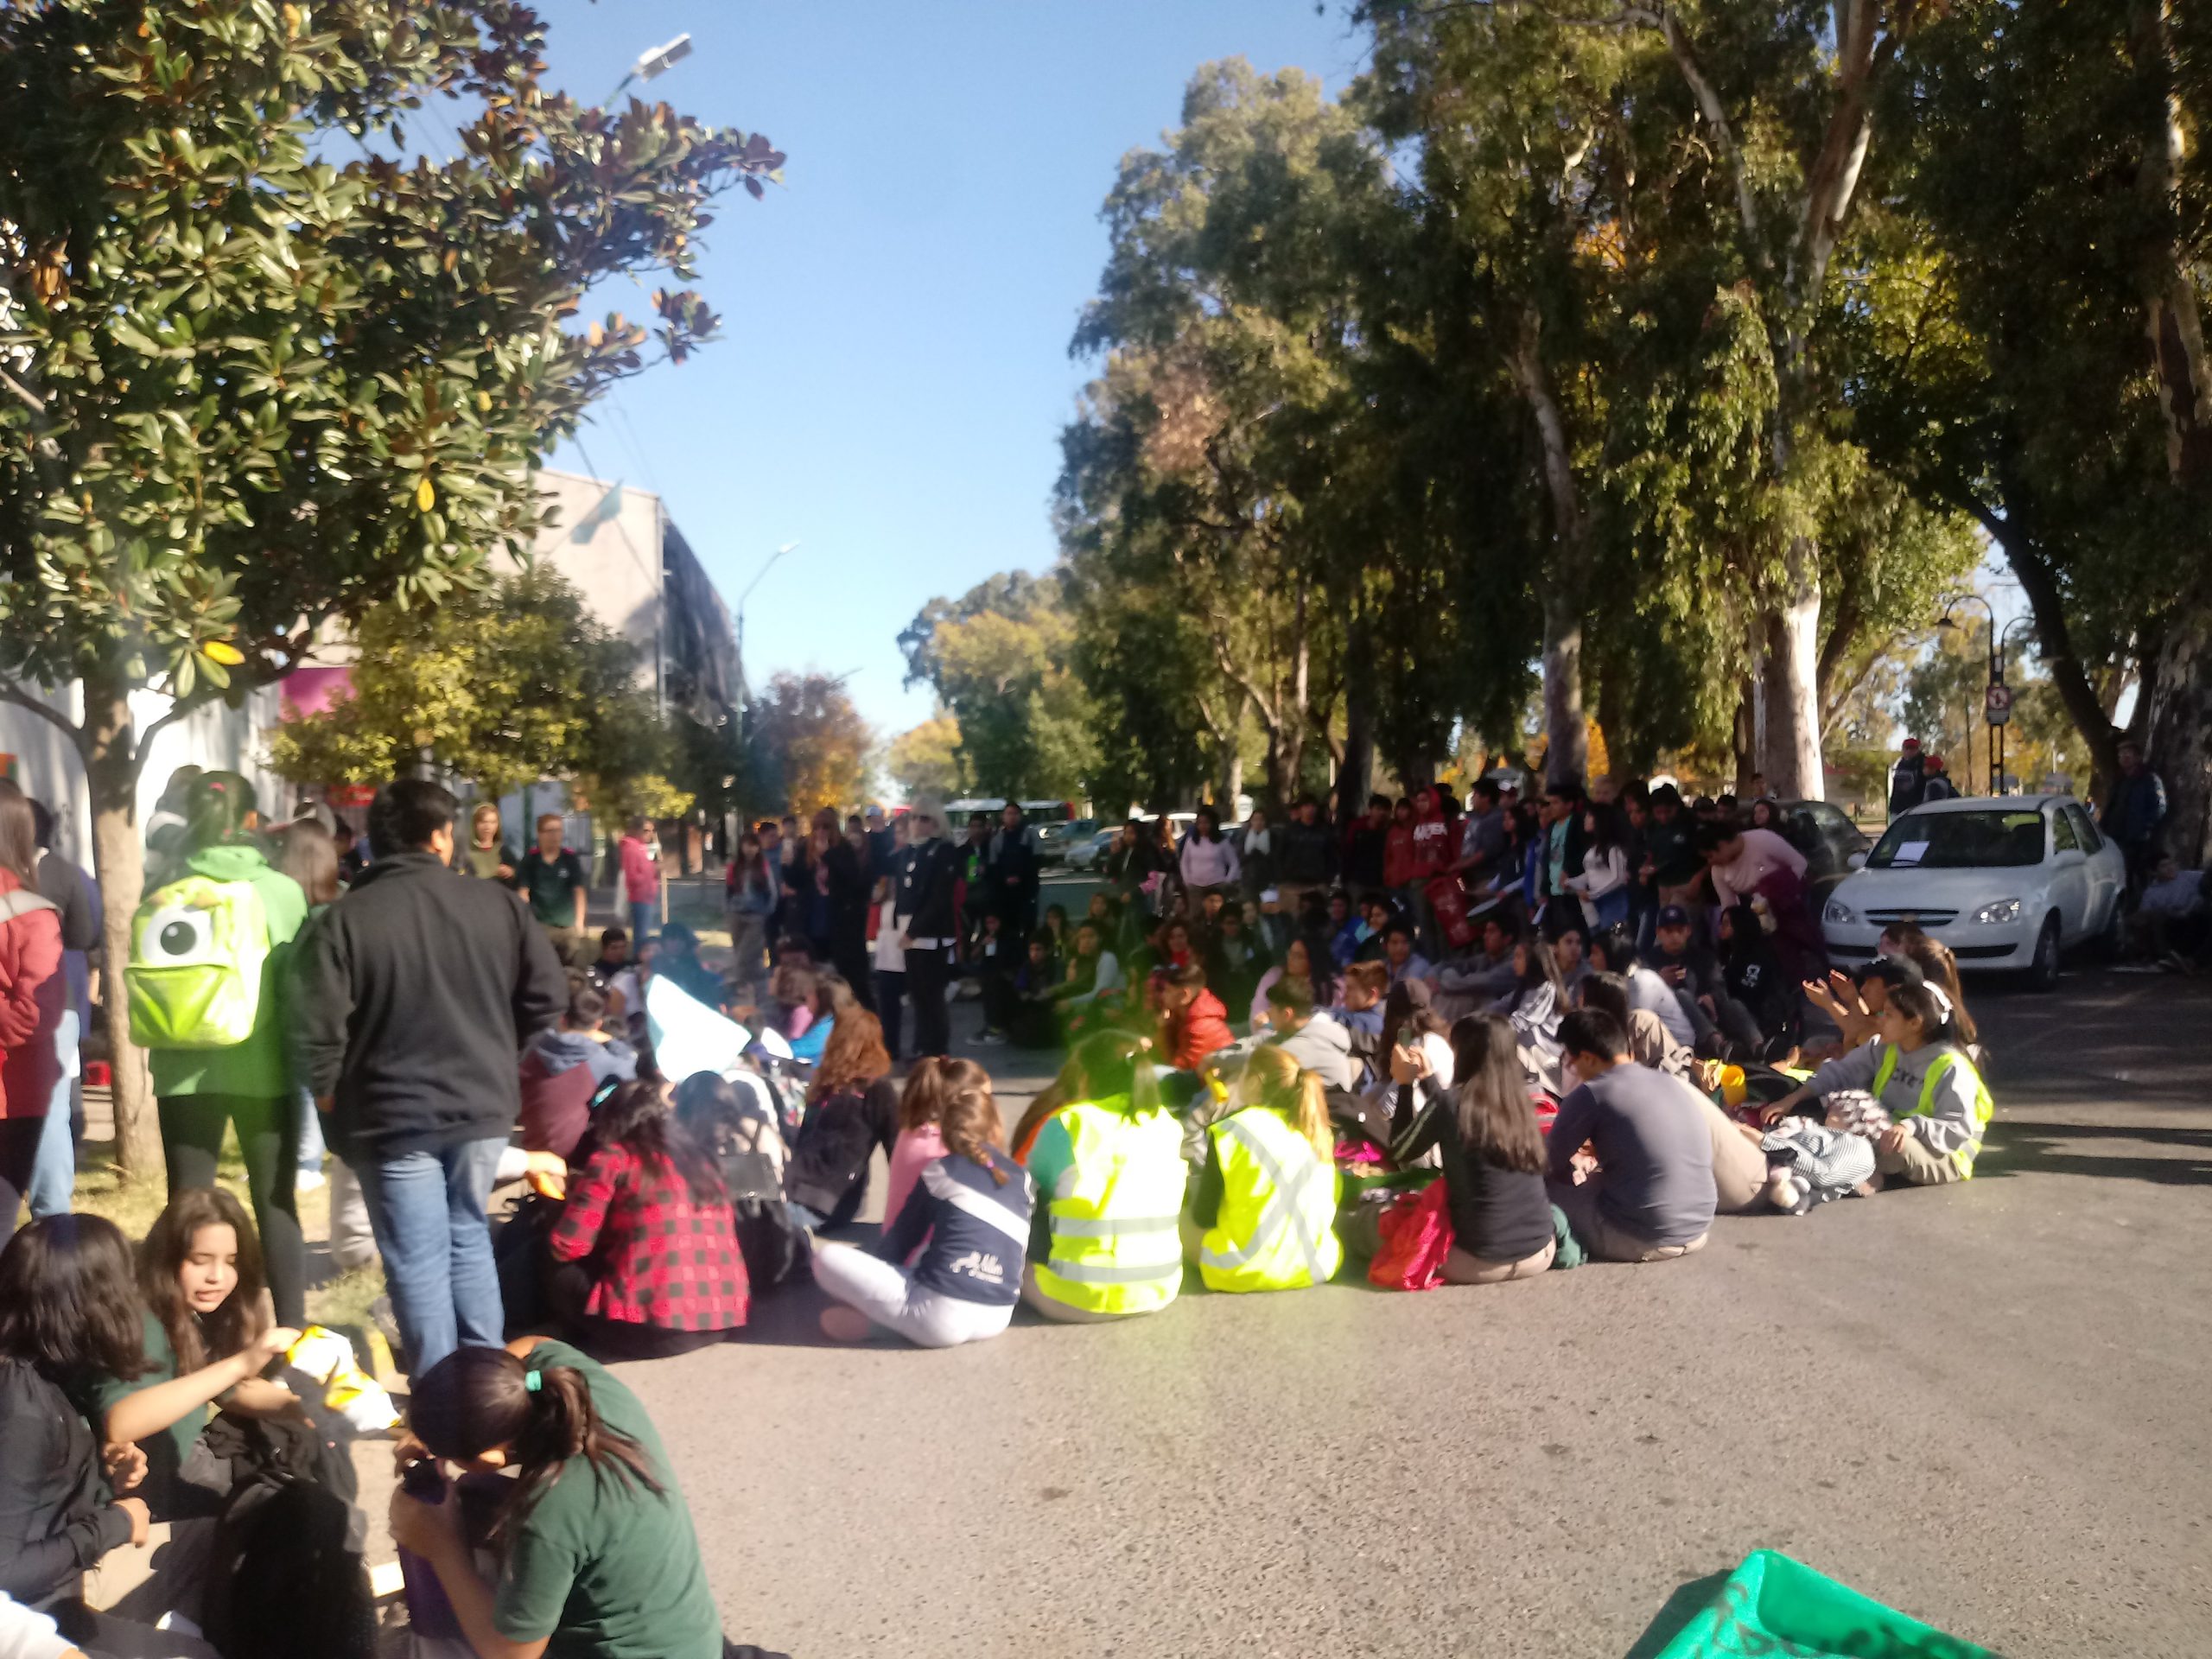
column 1997, row 703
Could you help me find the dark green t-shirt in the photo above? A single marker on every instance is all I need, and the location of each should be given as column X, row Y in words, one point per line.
column 99, row 1393
column 550, row 885
column 604, row 1566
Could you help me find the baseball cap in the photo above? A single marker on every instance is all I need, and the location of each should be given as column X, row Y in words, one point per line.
column 874, row 815
column 1673, row 916
column 1912, row 742
column 1270, row 895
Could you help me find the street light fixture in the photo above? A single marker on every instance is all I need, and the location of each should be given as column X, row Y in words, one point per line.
column 652, row 65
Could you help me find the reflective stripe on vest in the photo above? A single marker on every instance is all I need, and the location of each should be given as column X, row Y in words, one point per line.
column 1277, row 1226
column 1984, row 1107
column 1113, row 1217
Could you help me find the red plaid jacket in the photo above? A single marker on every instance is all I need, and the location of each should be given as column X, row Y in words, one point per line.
column 659, row 1259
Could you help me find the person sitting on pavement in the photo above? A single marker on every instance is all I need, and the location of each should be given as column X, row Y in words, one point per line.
column 853, row 1109
column 1108, row 1159
column 1484, row 1129
column 1740, row 1167
column 1651, row 1197
column 2168, row 927
column 1399, row 957
column 1295, row 967
column 1919, row 1070
column 565, row 1067
column 595, row 1551
column 1614, row 952
column 645, row 1258
column 1310, row 1036
column 65, row 1502
column 1192, row 1021
column 1474, row 981
column 1263, row 1210
column 966, row 1228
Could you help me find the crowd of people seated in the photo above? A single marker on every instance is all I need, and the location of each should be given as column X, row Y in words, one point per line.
column 1450, row 1047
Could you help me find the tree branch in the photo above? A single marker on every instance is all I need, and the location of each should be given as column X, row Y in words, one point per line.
column 11, row 692
column 30, row 399
column 142, row 745
column 1716, row 116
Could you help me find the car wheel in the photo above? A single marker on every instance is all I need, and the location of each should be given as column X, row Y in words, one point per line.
column 2042, row 967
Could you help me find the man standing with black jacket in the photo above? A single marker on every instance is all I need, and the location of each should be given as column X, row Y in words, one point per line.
column 924, row 916
column 412, row 998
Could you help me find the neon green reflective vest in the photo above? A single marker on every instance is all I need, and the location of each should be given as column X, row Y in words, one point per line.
column 1114, row 1216
column 1984, row 1107
column 1277, row 1226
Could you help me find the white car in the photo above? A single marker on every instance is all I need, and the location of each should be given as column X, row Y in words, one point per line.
column 2008, row 881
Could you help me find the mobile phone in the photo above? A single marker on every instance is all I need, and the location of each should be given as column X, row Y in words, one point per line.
column 1407, row 1036
column 423, row 1481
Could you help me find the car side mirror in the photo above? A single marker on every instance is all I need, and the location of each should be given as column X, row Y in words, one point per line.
column 1857, row 861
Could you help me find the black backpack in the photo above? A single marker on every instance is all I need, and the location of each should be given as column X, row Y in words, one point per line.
column 284, row 1580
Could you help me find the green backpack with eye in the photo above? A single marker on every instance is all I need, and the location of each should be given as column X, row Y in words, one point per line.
column 198, row 947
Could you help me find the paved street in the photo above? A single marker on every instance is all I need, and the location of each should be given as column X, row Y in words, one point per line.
column 1984, row 1405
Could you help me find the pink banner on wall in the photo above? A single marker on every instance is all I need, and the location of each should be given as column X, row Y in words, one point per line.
column 312, row 691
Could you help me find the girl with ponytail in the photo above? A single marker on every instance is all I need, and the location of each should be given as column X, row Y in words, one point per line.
column 968, row 1215
column 595, row 1547
column 921, row 1139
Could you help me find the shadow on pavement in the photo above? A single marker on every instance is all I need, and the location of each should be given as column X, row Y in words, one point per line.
column 1686, row 1604
column 2016, row 1148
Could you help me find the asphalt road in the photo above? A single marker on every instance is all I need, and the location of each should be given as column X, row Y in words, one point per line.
column 1982, row 1405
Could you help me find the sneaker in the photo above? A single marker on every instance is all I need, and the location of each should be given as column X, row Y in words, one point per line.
column 994, row 1039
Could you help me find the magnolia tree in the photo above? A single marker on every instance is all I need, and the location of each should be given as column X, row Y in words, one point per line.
column 261, row 368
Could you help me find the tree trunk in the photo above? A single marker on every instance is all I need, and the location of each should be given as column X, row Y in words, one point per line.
column 1355, row 777
column 2180, row 725
column 118, row 858
column 1232, row 773
column 1566, row 755
column 1744, row 740
column 1791, row 755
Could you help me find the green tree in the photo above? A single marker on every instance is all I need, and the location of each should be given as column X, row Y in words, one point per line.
column 251, row 387
column 502, row 685
column 997, row 658
column 925, row 759
column 2050, row 376
column 813, row 742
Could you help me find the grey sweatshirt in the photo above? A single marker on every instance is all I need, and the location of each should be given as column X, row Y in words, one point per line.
column 1953, row 1123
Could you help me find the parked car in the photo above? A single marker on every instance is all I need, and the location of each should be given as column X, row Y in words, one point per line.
column 2006, row 881
column 1056, row 841
column 1827, row 838
column 1090, row 854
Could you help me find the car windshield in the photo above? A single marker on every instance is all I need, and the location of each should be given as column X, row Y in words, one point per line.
column 1959, row 841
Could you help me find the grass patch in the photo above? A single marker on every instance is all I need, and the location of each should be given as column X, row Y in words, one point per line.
column 102, row 1190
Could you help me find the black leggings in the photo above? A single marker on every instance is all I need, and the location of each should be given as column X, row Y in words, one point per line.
column 192, row 1141
column 19, row 1138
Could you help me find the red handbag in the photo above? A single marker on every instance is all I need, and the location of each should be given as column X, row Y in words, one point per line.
column 1416, row 1233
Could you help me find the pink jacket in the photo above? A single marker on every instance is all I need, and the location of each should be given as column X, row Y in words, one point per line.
column 34, row 991
column 640, row 874
column 913, row 1152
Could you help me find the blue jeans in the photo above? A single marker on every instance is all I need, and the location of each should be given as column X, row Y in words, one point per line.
column 427, row 1210
column 645, row 921
column 54, row 1177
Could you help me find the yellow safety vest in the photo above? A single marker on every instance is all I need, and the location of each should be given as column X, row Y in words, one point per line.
column 1984, row 1107
column 1115, row 1214
column 1277, row 1227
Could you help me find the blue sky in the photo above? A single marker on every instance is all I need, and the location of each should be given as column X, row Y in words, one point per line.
column 893, row 373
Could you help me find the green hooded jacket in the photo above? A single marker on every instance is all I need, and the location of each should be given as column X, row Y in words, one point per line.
column 258, row 1068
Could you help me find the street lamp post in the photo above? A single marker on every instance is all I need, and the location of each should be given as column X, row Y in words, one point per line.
column 652, row 65
column 744, row 686
column 1996, row 678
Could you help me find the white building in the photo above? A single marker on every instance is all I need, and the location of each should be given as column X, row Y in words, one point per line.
column 616, row 545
